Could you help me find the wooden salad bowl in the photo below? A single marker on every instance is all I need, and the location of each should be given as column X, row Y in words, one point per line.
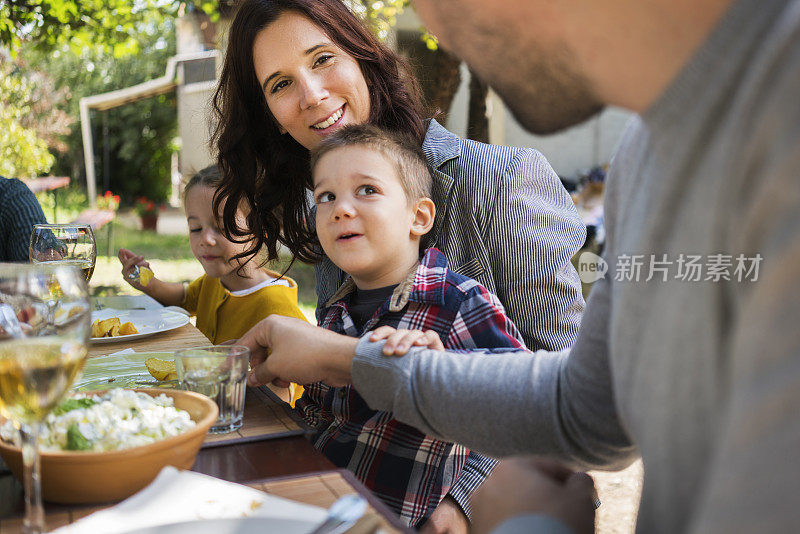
column 76, row 477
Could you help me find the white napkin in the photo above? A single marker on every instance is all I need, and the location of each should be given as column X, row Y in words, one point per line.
column 176, row 496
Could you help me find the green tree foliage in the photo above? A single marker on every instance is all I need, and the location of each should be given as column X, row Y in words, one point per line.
column 110, row 24
column 381, row 15
column 140, row 134
column 90, row 47
column 23, row 153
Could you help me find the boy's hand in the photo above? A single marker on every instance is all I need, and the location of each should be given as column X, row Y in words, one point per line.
column 128, row 260
column 398, row 342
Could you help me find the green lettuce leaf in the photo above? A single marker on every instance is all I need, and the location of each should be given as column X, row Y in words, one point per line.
column 73, row 404
column 75, row 440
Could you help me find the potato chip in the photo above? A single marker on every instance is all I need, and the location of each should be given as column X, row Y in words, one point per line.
column 96, row 332
column 145, row 275
column 127, row 329
column 107, row 327
column 161, row 369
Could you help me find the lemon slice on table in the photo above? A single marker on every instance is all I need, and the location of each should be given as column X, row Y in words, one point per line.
column 161, row 369
column 145, row 275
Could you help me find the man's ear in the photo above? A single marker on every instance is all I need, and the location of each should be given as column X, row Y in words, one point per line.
column 424, row 214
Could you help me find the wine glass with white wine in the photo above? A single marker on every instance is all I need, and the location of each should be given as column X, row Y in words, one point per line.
column 71, row 244
column 44, row 332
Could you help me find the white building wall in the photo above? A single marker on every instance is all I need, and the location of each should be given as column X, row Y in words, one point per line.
column 569, row 152
column 194, row 114
column 194, row 108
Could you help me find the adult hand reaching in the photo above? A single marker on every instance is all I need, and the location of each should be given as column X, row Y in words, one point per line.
column 532, row 485
column 287, row 349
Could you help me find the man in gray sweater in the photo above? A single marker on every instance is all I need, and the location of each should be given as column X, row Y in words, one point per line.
column 689, row 351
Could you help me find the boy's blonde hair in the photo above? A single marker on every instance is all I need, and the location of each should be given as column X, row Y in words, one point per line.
column 407, row 156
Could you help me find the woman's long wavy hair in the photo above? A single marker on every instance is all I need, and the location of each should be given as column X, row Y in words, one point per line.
column 267, row 172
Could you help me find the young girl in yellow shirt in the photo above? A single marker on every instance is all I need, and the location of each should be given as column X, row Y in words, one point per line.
column 233, row 294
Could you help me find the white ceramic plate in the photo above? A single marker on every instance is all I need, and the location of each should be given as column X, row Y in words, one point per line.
column 147, row 322
column 245, row 525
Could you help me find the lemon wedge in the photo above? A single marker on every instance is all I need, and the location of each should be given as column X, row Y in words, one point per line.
column 145, row 275
column 161, row 369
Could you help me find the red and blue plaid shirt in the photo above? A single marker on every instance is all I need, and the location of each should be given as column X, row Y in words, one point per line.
column 410, row 471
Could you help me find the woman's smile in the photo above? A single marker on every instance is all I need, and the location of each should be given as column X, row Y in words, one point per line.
column 334, row 118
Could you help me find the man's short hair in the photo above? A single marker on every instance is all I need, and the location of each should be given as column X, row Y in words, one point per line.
column 408, row 158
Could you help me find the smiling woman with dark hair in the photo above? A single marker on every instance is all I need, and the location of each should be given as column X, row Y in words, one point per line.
column 298, row 70
column 267, row 167
column 503, row 216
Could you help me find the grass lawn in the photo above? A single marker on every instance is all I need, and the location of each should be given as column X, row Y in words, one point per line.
column 172, row 261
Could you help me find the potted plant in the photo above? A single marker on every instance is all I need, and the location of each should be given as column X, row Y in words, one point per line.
column 148, row 212
column 109, row 201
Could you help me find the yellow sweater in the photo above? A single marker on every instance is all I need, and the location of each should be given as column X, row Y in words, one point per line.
column 222, row 316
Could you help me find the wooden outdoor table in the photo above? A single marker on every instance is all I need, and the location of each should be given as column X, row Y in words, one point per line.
column 184, row 337
column 181, row 338
column 320, row 488
column 303, row 473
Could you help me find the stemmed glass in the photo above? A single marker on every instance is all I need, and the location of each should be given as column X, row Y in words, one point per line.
column 72, row 244
column 44, row 332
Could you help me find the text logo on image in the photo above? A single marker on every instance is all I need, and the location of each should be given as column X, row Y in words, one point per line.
column 591, row 267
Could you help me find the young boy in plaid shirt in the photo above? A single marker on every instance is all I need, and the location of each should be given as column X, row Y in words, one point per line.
column 372, row 194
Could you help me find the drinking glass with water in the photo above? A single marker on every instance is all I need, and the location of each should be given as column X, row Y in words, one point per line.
column 220, row 373
column 64, row 244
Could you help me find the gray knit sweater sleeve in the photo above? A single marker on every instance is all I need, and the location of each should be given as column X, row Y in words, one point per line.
column 558, row 403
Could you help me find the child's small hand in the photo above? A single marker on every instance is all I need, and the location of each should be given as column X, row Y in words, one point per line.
column 128, row 260
column 398, row 342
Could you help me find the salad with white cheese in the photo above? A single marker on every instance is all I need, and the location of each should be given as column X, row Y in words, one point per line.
column 118, row 419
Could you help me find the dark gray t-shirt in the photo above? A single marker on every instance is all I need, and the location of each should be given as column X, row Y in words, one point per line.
column 365, row 302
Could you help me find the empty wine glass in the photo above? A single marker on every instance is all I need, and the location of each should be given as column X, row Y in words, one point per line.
column 71, row 244
column 44, row 331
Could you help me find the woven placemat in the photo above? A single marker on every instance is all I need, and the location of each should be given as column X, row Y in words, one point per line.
column 265, row 417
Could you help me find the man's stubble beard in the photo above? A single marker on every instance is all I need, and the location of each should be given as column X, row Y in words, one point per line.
column 540, row 83
column 547, row 96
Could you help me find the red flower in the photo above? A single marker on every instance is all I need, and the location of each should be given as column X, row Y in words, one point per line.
column 145, row 206
column 109, row 201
